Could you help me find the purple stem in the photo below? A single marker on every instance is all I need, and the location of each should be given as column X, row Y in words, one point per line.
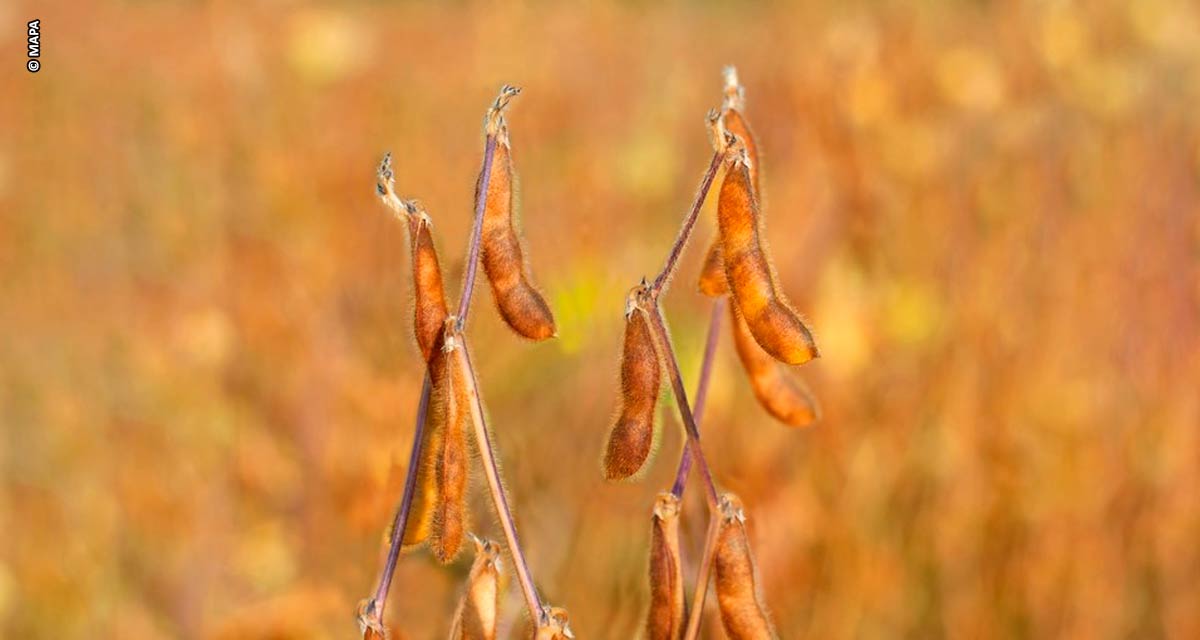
column 400, row 522
column 710, row 350
column 688, row 224
column 464, row 299
column 663, row 338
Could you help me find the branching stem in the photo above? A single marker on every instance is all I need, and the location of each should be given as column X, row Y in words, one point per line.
column 662, row 342
column 495, row 484
column 710, row 351
column 689, row 223
column 372, row 614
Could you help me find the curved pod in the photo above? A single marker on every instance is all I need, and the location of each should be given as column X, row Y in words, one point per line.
column 631, row 439
column 784, row 396
column 776, row 327
column 519, row 302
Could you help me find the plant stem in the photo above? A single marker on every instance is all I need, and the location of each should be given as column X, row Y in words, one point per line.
column 496, row 485
column 701, row 591
column 464, row 298
column 374, row 609
column 689, row 223
column 667, row 353
column 400, row 521
column 710, row 351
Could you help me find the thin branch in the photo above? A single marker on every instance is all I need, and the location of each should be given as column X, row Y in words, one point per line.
column 662, row 341
column 660, row 282
column 495, row 127
column 496, row 485
column 701, row 589
column 372, row 614
column 710, row 351
column 400, row 520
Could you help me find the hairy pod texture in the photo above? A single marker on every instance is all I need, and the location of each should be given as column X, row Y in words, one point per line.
column 775, row 326
column 784, row 396
column 427, row 494
column 478, row 611
column 430, row 309
column 451, row 459
column 666, row 619
column 519, row 302
column 743, row 614
column 555, row 626
column 425, row 497
column 712, row 275
column 631, row 440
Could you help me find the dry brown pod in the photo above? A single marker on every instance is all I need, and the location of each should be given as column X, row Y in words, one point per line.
column 450, row 457
column 478, row 611
column 783, row 395
column 631, row 440
column 519, row 302
column 775, row 326
column 666, row 618
column 743, row 614
column 712, row 275
column 556, row 625
column 429, row 309
column 420, row 515
column 430, row 315
column 734, row 121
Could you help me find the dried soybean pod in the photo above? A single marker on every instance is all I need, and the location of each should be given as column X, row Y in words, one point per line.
column 784, row 396
column 735, row 122
column 420, row 515
column 742, row 611
column 775, row 326
column 430, row 310
column 666, row 618
column 555, row 625
column 519, row 302
column 451, row 461
column 478, row 611
column 631, row 439
column 712, row 275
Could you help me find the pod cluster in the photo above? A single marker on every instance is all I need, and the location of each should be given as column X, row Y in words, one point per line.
column 767, row 331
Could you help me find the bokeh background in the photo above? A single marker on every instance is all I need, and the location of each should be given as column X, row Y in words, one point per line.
column 990, row 211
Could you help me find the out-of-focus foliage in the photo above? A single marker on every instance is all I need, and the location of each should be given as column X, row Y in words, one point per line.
column 989, row 210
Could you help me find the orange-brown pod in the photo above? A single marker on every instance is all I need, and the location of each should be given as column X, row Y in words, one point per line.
column 631, row 439
column 478, row 611
column 784, row 396
column 665, row 620
column 743, row 613
column 420, row 515
column 712, row 275
column 430, row 310
column 520, row 304
column 451, row 459
column 776, row 327
column 735, row 122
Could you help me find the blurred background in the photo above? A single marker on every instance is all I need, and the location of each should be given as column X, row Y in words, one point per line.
column 990, row 211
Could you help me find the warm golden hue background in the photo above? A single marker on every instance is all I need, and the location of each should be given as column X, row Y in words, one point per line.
column 989, row 210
